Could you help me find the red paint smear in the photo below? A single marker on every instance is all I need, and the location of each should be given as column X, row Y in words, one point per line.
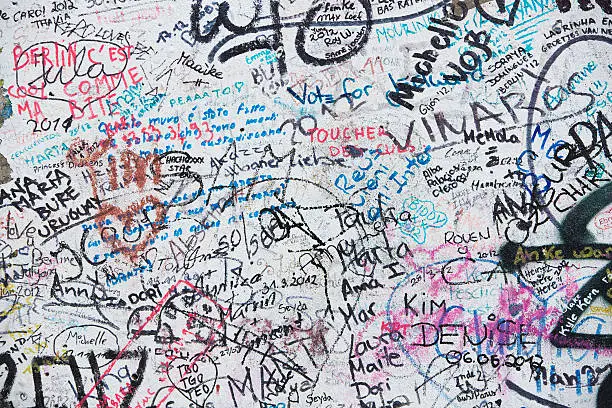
column 155, row 311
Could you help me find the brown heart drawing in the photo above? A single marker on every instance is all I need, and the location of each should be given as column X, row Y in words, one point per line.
column 80, row 74
column 126, row 221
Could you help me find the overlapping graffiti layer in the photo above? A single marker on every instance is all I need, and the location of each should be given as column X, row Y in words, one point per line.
column 305, row 204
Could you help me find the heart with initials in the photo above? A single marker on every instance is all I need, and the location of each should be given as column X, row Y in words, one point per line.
column 80, row 73
column 195, row 377
column 129, row 238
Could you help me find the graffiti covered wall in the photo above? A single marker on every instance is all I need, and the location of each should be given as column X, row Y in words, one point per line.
column 305, row 203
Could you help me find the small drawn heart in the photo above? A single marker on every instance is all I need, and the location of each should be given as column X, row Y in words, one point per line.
column 196, row 378
column 541, row 184
column 515, row 309
column 126, row 220
column 498, row 402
